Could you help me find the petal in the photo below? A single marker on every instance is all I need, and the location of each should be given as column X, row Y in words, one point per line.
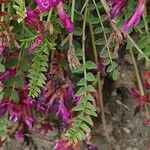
column 68, row 24
column 137, row 109
column 135, row 93
column 135, row 18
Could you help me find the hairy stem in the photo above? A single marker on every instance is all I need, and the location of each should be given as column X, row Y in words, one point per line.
column 83, row 45
column 105, row 37
column 139, row 80
column 99, row 87
column 2, row 9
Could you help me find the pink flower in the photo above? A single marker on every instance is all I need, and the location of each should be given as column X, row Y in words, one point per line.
column 117, row 6
column 36, row 42
column 2, row 48
column 45, row 127
column 20, row 136
column 32, row 21
column 32, row 13
column 7, row 73
column 68, row 24
column 135, row 18
column 63, row 112
column 45, row 5
column 100, row 66
column 29, row 121
column 62, row 144
column 140, row 99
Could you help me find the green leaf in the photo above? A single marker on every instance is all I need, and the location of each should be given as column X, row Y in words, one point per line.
column 38, row 67
column 115, row 74
column 2, row 68
column 78, row 31
column 90, row 106
column 90, row 88
column 86, row 119
column 100, row 42
column 106, row 62
column 81, row 82
column 103, row 54
column 90, row 77
column 90, row 112
column 79, row 107
column 14, row 96
column 78, row 69
column 98, row 30
column 80, row 92
column 90, row 65
column 80, row 134
column 85, row 127
column 20, row 9
column 111, row 67
column 89, row 97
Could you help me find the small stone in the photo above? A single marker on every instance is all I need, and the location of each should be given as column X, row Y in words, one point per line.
column 126, row 130
column 114, row 93
column 134, row 148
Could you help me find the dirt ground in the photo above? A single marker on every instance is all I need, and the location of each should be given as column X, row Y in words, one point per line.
column 127, row 131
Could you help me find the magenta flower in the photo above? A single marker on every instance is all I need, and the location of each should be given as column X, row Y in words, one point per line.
column 21, row 112
column 45, row 5
column 3, row 106
column 135, row 18
column 117, row 6
column 140, row 99
column 32, row 21
column 2, row 48
column 62, row 144
column 20, row 136
column 7, row 73
column 63, row 112
column 29, row 121
column 68, row 24
column 45, row 127
column 100, row 66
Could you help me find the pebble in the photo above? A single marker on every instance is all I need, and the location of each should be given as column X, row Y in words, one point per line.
column 130, row 148
column 126, row 130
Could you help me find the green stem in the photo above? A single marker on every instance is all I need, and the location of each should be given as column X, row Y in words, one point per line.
column 73, row 10
column 137, row 74
column 105, row 37
column 41, row 17
column 99, row 86
column 2, row 9
column 9, row 8
column 106, row 6
column 83, row 45
column 49, row 15
column 137, row 47
column 147, row 31
column 72, row 19
column 145, row 21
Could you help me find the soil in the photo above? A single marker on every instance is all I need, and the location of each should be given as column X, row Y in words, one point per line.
column 127, row 131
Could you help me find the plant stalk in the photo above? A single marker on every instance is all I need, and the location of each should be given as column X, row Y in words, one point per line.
column 99, row 87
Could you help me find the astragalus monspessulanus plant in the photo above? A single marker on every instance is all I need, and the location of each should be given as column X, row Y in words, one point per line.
column 54, row 57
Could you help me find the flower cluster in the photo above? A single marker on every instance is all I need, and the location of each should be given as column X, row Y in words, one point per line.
column 142, row 99
column 118, row 5
column 20, row 113
column 33, row 21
